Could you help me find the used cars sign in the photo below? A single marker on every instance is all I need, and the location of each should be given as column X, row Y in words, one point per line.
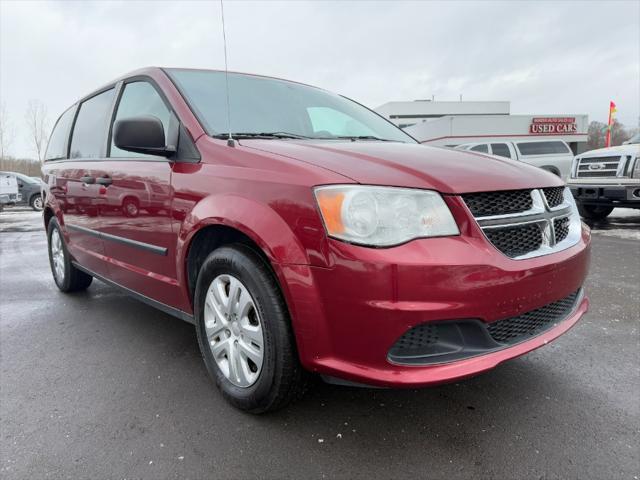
column 553, row 125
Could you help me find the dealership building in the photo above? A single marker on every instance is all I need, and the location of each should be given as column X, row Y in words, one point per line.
column 454, row 123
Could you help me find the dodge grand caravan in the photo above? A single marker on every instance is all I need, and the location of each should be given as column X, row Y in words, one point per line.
column 319, row 238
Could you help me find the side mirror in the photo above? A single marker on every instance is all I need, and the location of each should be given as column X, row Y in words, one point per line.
column 142, row 135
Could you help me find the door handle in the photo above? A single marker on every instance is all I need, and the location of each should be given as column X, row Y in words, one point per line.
column 88, row 179
column 105, row 181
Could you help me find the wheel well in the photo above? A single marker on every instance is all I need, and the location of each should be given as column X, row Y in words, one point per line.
column 551, row 169
column 47, row 215
column 207, row 240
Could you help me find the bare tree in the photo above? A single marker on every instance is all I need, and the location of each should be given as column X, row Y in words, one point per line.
column 596, row 134
column 597, row 131
column 37, row 125
column 6, row 132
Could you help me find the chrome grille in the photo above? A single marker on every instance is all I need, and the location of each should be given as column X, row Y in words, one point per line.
column 516, row 241
column 561, row 227
column 497, row 203
column 549, row 224
column 554, row 196
column 591, row 167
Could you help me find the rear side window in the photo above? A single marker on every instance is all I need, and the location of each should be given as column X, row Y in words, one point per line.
column 89, row 132
column 480, row 148
column 140, row 99
column 501, row 149
column 57, row 147
column 542, row 148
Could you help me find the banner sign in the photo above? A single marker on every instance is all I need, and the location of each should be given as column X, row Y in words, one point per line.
column 553, row 125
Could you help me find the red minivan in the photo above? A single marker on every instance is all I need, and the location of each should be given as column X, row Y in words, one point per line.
column 319, row 238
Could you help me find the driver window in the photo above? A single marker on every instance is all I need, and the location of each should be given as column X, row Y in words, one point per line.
column 140, row 99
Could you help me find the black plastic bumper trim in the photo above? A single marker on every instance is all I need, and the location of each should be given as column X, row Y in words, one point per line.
column 465, row 338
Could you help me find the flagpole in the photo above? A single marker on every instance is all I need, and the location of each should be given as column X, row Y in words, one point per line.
column 607, row 142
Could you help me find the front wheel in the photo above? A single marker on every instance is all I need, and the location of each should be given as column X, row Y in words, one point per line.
column 67, row 277
column 244, row 331
column 594, row 212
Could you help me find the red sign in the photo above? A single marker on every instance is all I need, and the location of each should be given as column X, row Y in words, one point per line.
column 553, row 125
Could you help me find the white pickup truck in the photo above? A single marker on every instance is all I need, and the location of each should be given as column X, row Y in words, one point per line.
column 9, row 194
column 552, row 155
column 607, row 178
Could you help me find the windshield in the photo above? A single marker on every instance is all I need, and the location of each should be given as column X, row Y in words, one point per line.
column 278, row 108
column 19, row 176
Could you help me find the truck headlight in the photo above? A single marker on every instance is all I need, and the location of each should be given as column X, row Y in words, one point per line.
column 636, row 169
column 383, row 216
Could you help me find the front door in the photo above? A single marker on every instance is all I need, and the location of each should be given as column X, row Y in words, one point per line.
column 136, row 214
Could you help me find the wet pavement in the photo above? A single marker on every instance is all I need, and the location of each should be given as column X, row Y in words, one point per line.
column 98, row 385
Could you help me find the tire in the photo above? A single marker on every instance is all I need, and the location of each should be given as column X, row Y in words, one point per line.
column 67, row 277
column 594, row 212
column 130, row 207
column 280, row 378
column 36, row 202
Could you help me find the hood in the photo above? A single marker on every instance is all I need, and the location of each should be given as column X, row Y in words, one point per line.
column 633, row 149
column 411, row 165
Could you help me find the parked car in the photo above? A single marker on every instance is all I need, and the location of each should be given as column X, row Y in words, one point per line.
column 29, row 189
column 305, row 233
column 552, row 155
column 9, row 193
column 606, row 178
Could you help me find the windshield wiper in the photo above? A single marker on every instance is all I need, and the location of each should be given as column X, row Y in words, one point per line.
column 260, row 135
column 353, row 138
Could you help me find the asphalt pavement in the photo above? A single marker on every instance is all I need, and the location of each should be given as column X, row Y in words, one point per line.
column 98, row 385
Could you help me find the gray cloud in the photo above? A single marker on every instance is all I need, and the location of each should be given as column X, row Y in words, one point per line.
column 546, row 57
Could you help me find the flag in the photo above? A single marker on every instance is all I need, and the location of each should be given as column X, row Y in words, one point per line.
column 612, row 111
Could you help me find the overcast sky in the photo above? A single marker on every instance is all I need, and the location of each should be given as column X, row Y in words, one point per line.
column 545, row 57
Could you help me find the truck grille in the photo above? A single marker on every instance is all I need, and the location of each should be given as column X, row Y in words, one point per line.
column 526, row 223
column 515, row 329
column 598, row 167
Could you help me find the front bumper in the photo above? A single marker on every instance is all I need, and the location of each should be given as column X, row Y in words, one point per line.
column 349, row 316
column 622, row 195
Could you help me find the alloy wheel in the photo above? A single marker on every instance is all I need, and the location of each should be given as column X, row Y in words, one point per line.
column 37, row 203
column 234, row 330
column 57, row 256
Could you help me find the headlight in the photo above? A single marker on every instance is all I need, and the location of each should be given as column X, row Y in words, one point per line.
column 383, row 216
column 636, row 169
